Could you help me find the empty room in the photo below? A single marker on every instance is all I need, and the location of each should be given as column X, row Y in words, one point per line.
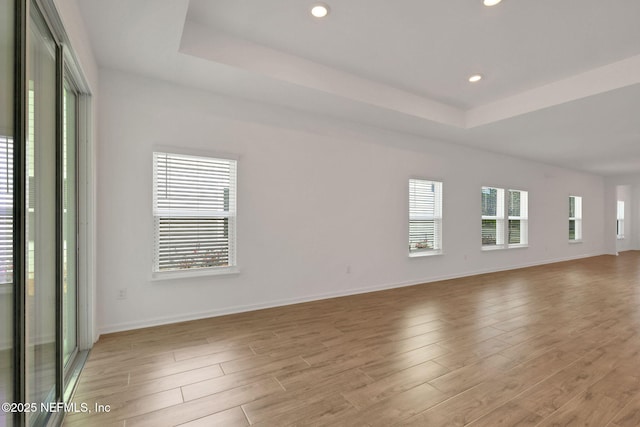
column 336, row 213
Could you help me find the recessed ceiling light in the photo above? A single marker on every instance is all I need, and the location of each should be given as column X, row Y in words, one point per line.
column 320, row 10
column 491, row 2
column 475, row 78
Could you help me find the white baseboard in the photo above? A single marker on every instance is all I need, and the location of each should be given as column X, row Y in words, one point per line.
column 158, row 321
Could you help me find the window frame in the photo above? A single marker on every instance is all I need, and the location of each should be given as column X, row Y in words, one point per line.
column 231, row 215
column 436, row 218
column 499, row 218
column 522, row 218
column 576, row 218
column 620, row 220
column 503, row 219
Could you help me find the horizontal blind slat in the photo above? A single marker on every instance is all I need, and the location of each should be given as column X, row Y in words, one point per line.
column 6, row 209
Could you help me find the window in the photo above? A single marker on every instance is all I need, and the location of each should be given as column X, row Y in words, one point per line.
column 518, row 217
column 492, row 216
column 425, row 217
column 620, row 220
column 194, row 207
column 575, row 218
column 496, row 232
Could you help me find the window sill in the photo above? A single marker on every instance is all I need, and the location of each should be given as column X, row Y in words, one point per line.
column 573, row 242
column 517, row 246
column 493, row 248
column 425, row 253
column 502, row 247
column 200, row 272
column 620, row 238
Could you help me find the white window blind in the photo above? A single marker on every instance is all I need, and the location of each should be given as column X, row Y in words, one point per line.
column 425, row 217
column 505, row 218
column 194, row 207
column 620, row 220
column 575, row 218
column 6, row 210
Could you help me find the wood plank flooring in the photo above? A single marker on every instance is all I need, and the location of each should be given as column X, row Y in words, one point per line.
column 554, row 345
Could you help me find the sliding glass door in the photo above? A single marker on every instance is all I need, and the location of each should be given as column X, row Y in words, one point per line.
column 40, row 124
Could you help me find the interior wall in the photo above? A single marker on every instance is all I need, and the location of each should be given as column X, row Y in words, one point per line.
column 76, row 31
column 322, row 204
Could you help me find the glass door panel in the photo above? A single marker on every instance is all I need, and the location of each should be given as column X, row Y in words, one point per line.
column 41, row 222
column 6, row 207
column 69, row 231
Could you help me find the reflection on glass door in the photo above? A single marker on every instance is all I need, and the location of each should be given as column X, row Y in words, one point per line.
column 6, row 207
column 40, row 206
column 69, row 231
column 39, row 122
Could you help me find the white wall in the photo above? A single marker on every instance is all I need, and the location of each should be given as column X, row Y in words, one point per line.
column 315, row 197
column 76, row 31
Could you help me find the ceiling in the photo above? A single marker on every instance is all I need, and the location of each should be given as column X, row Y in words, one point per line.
column 561, row 78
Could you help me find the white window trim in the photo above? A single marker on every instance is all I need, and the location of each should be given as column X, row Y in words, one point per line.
column 437, row 220
column 499, row 217
column 195, row 272
column 578, row 219
column 524, row 219
column 620, row 219
column 502, row 221
column 201, row 271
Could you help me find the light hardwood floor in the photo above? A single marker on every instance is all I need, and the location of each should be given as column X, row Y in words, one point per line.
column 554, row 345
